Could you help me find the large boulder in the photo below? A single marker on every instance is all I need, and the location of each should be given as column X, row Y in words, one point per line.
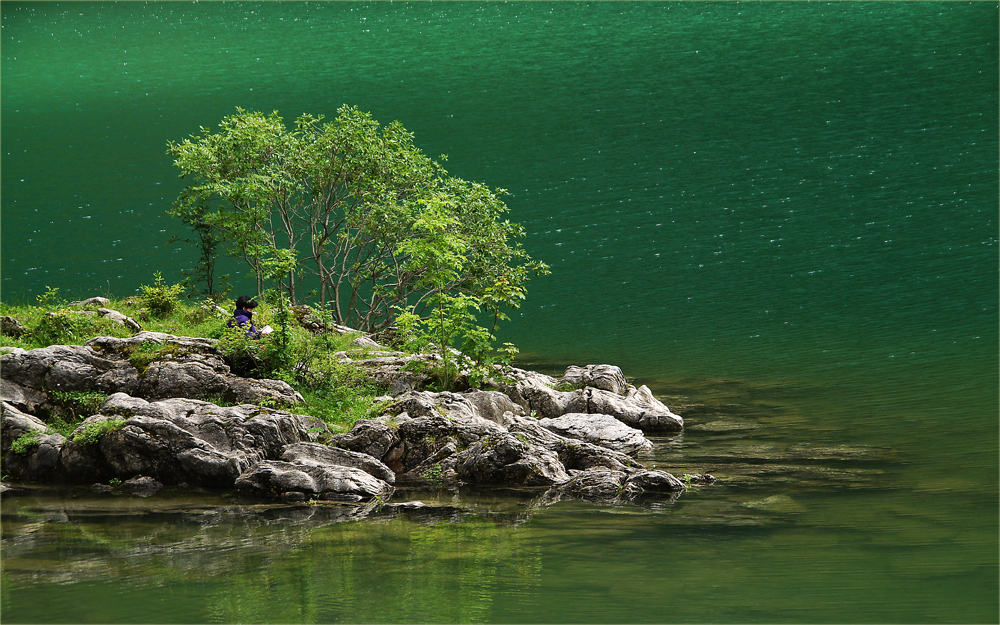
column 509, row 460
column 434, row 437
column 373, row 437
column 576, row 455
column 604, row 377
column 296, row 482
column 600, row 429
column 25, row 398
column 173, row 440
column 637, row 408
column 17, row 423
column 67, row 368
column 316, row 454
column 42, row 459
column 150, row 364
column 604, row 392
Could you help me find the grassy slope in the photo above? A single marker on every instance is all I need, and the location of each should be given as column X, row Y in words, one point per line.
column 335, row 392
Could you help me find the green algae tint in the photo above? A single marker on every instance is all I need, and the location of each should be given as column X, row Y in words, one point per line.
column 780, row 216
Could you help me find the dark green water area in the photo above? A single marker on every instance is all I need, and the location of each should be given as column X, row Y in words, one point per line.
column 781, row 216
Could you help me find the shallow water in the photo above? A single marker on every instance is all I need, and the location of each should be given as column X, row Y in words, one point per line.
column 782, row 217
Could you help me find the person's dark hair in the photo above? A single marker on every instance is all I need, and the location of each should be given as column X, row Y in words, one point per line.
column 245, row 302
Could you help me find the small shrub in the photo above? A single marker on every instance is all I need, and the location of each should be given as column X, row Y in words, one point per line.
column 161, row 299
column 242, row 354
column 93, row 432
column 77, row 405
column 66, row 327
column 26, row 442
column 49, row 298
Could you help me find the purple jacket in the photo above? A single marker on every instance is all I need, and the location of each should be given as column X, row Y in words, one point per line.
column 244, row 319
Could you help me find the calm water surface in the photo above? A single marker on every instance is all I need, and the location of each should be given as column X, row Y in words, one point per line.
column 781, row 216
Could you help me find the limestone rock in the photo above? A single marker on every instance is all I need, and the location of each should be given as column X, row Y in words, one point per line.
column 183, row 440
column 15, row 424
column 396, row 373
column 506, row 459
column 171, row 367
column 93, row 301
column 600, row 429
column 11, row 327
column 275, row 478
column 598, row 484
column 637, row 408
column 316, row 454
column 605, row 377
column 610, row 485
column 373, row 437
column 141, row 486
column 655, row 482
column 573, row 453
column 119, row 318
column 366, row 343
column 423, row 437
column 24, row 399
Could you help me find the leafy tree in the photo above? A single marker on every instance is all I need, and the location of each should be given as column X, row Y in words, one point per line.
column 359, row 207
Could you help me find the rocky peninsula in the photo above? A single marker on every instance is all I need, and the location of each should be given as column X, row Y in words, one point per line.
column 176, row 414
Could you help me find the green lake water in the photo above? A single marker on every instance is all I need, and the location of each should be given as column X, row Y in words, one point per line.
column 781, row 216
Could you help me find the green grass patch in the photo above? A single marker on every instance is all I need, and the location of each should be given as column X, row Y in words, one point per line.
column 93, row 432
column 338, row 393
column 26, row 442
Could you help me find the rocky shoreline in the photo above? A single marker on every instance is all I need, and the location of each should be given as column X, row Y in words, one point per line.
column 176, row 414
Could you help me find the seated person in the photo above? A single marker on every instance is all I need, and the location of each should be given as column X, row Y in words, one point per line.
column 243, row 316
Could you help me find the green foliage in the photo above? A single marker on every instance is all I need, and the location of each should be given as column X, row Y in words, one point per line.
column 66, row 327
column 49, row 298
column 161, row 299
column 94, row 431
column 26, row 442
column 347, row 196
column 77, row 404
column 454, row 317
column 338, row 393
column 243, row 354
